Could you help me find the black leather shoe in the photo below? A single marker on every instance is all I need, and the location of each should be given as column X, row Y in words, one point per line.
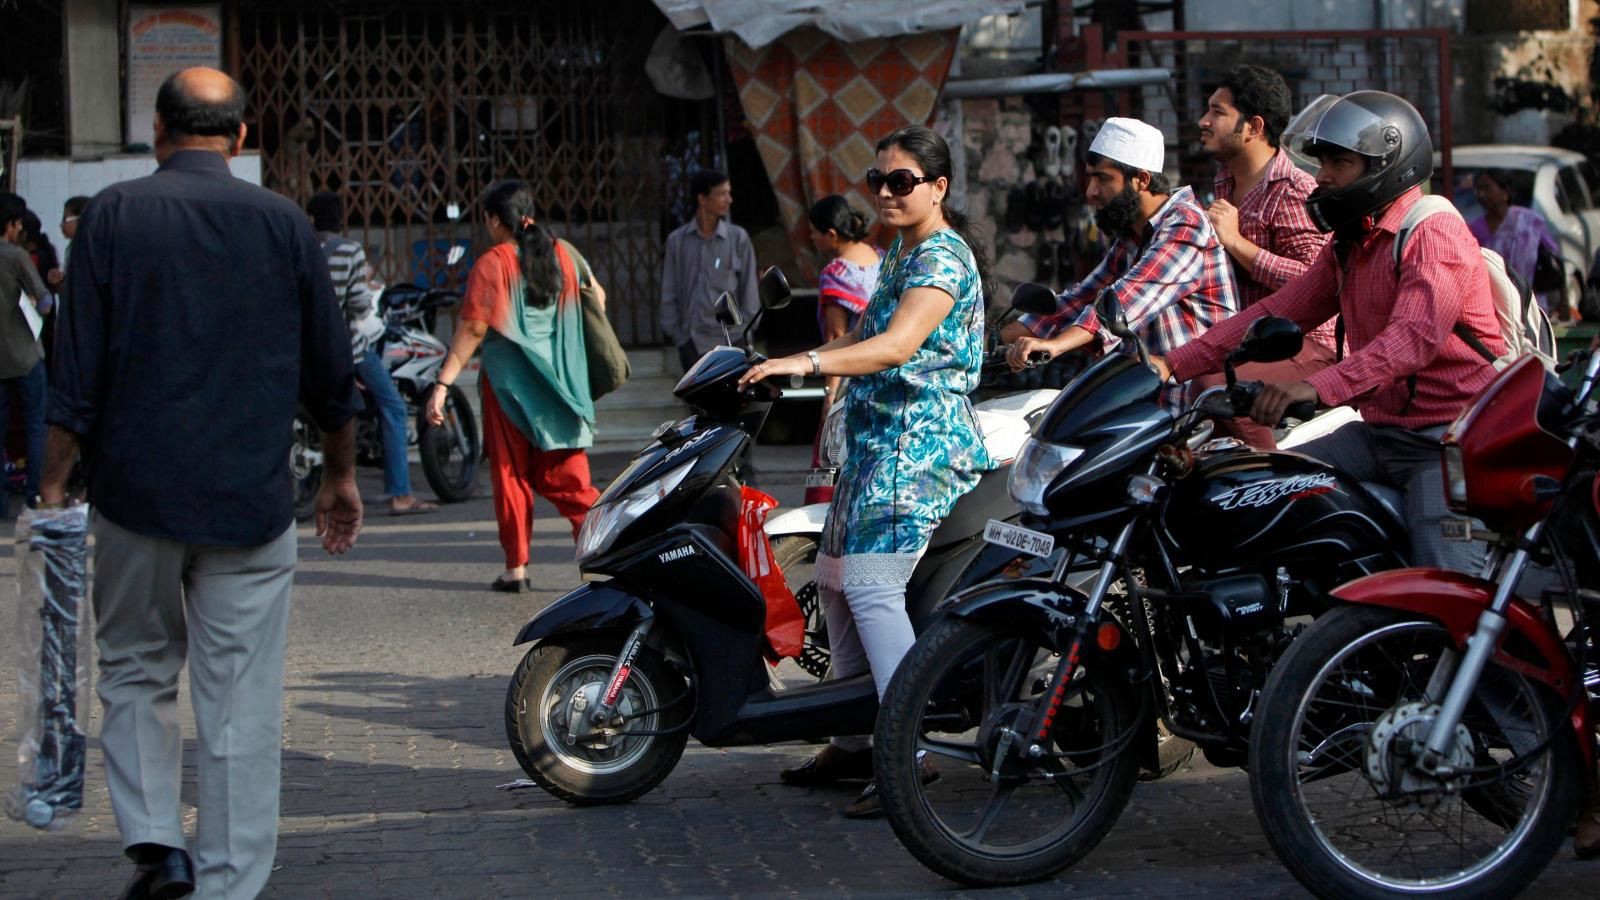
column 163, row 873
column 829, row 765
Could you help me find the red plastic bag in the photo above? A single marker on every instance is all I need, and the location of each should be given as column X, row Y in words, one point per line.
column 786, row 627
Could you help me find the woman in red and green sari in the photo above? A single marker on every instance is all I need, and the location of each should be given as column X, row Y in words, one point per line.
column 522, row 307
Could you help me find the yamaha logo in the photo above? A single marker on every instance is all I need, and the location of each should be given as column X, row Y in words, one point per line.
column 675, row 555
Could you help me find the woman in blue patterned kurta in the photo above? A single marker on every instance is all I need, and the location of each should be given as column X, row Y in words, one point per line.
column 914, row 442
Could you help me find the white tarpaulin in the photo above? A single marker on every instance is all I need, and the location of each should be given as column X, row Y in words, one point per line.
column 760, row 22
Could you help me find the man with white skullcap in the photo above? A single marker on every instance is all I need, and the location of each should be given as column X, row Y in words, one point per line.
column 1166, row 268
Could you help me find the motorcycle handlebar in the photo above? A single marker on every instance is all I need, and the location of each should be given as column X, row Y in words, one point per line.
column 1236, row 403
column 997, row 360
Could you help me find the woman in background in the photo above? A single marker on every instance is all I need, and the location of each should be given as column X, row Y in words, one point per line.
column 849, row 275
column 522, row 308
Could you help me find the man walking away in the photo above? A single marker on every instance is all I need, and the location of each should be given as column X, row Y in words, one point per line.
column 705, row 256
column 352, row 284
column 1260, row 217
column 200, row 314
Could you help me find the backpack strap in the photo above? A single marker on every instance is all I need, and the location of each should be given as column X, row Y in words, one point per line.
column 1427, row 206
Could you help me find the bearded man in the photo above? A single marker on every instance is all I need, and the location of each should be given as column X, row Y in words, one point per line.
column 1167, row 269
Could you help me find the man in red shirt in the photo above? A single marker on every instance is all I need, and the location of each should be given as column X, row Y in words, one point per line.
column 1260, row 218
column 1406, row 372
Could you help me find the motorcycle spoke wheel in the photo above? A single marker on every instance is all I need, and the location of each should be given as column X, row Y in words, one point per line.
column 953, row 698
column 1354, row 815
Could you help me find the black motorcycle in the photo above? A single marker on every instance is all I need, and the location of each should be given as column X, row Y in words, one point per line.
column 1038, row 702
column 667, row 641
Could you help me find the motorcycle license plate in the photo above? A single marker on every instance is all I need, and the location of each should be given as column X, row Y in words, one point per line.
column 820, row 478
column 1035, row 543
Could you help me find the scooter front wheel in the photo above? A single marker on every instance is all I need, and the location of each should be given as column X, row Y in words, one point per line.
column 548, row 705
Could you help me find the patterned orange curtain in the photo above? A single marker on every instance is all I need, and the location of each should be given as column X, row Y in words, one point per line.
column 818, row 107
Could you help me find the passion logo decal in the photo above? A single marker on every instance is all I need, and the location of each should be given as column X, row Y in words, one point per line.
column 1266, row 493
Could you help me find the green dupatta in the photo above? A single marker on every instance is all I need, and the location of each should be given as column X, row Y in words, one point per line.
column 536, row 365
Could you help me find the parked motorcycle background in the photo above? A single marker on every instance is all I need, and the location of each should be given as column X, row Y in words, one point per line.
column 449, row 453
column 1364, row 783
column 1057, row 691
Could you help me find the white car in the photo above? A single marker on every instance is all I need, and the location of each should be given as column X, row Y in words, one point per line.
column 1557, row 184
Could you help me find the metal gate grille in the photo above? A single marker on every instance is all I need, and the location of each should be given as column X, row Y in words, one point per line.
column 1413, row 64
column 411, row 111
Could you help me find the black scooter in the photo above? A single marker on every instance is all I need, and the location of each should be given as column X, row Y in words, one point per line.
column 667, row 638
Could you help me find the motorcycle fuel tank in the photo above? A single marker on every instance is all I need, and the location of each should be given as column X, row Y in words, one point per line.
column 1241, row 508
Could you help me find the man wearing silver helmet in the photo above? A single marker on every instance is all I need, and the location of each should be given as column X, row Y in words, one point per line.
column 1410, row 369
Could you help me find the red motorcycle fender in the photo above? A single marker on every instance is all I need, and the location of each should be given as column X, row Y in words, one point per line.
column 1455, row 601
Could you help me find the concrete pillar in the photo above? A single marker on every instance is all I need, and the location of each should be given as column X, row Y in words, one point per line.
column 92, row 47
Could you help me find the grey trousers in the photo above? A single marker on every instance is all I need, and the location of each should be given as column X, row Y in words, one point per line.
column 1408, row 461
column 225, row 610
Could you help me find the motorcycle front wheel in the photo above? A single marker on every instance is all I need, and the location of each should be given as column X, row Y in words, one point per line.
column 563, row 752
column 956, row 693
column 450, row 452
column 1333, row 783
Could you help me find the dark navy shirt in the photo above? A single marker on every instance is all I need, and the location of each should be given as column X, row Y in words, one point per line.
column 199, row 312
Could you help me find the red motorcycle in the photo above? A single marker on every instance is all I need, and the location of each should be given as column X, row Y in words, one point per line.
column 1435, row 735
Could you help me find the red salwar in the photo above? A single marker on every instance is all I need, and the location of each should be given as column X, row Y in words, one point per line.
column 518, row 470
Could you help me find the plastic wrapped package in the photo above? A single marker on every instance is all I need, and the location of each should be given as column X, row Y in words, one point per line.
column 53, row 634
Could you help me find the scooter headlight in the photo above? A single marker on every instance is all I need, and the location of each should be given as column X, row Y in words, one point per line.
column 607, row 519
column 1037, row 464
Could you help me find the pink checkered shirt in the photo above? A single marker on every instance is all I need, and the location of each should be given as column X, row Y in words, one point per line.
column 1273, row 217
column 1398, row 324
column 1172, row 285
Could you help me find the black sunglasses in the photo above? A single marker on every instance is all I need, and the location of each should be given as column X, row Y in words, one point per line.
column 901, row 181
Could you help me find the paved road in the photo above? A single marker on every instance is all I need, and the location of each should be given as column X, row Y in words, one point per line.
column 394, row 749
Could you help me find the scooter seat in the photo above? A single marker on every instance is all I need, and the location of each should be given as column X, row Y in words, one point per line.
column 989, row 500
column 1391, row 499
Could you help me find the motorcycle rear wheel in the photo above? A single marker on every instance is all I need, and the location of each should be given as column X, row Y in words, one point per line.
column 450, row 452
column 539, row 705
column 1319, row 742
column 796, row 555
column 959, row 682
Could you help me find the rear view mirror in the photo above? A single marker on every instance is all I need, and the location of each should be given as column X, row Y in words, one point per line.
column 1109, row 311
column 774, row 289
column 1033, row 298
column 1270, row 339
column 728, row 311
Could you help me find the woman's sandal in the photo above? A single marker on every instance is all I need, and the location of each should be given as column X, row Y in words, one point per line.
column 829, row 765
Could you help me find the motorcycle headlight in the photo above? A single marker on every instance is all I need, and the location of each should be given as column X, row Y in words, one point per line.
column 606, row 520
column 831, row 449
column 1455, row 477
column 1037, row 464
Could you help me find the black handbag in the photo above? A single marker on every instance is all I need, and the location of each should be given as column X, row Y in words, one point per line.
column 1548, row 273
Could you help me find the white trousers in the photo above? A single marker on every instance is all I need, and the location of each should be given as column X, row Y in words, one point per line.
column 225, row 610
column 868, row 630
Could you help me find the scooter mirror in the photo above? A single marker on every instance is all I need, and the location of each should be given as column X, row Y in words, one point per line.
column 456, row 254
column 1270, row 339
column 774, row 289
column 1033, row 298
column 1109, row 311
column 728, row 311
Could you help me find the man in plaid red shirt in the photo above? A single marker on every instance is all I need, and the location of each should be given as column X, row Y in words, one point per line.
column 1260, row 217
column 1166, row 269
column 1407, row 372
